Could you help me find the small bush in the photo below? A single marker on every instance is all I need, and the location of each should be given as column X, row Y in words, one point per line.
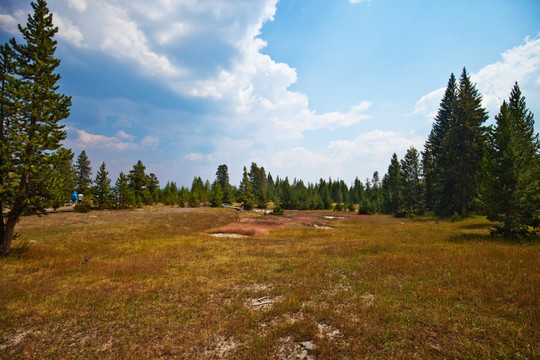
column 82, row 207
column 277, row 211
column 411, row 215
column 455, row 218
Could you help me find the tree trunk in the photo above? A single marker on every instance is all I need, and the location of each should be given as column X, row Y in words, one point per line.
column 8, row 232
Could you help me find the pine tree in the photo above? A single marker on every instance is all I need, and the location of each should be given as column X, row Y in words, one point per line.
column 412, row 182
column 287, row 199
column 257, row 177
column 216, row 196
column 102, row 188
column 197, row 192
column 511, row 181
column 138, row 181
column 84, row 173
column 324, row 193
column 63, row 179
column 462, row 149
column 437, row 188
column 375, row 194
column 124, row 195
column 31, row 112
column 222, row 178
column 246, row 196
column 393, row 188
column 466, row 144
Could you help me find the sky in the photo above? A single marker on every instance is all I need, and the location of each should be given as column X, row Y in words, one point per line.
column 307, row 89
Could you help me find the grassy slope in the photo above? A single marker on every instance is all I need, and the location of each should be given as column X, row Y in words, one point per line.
column 155, row 286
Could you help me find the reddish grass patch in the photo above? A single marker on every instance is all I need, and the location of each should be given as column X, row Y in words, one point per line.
column 261, row 225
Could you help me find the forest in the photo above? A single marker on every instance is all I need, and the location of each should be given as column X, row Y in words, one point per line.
column 465, row 168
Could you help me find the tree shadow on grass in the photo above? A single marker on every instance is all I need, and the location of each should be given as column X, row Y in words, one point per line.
column 487, row 225
column 496, row 238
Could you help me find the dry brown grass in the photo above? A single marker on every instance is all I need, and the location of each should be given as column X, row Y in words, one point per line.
column 153, row 284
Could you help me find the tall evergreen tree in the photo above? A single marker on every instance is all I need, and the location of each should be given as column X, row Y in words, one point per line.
column 287, row 199
column 246, row 196
column 462, row 150
column 511, row 182
column 393, row 188
column 222, row 178
column 412, row 183
column 375, row 194
column 31, row 111
column 124, row 195
column 257, row 177
column 102, row 188
column 84, row 173
column 138, row 181
column 436, row 186
column 467, row 143
column 216, row 196
column 197, row 193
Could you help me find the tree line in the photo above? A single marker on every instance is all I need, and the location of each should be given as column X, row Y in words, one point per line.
column 464, row 168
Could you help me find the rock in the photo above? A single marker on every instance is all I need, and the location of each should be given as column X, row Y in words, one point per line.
column 308, row 345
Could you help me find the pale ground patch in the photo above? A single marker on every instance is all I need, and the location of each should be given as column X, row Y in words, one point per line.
column 263, row 303
column 368, row 299
column 229, row 235
column 289, row 349
column 222, row 347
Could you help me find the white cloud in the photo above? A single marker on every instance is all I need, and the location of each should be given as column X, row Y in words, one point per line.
column 358, row 1
column 521, row 64
column 151, row 142
column 125, row 136
column 79, row 5
column 68, row 31
column 173, row 33
column 87, row 140
column 375, row 144
column 8, row 23
column 123, row 39
column 122, row 141
column 298, row 157
column 196, row 157
column 495, row 81
column 429, row 103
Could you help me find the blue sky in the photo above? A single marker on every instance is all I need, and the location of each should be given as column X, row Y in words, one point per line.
column 305, row 88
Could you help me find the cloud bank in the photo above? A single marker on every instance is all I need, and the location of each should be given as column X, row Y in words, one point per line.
column 495, row 81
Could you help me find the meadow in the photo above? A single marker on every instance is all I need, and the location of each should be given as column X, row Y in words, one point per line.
column 154, row 284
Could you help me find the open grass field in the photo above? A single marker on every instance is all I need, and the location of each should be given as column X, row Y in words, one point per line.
column 153, row 284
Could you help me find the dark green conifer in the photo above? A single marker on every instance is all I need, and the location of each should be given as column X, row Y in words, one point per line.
column 84, row 173
column 463, row 147
column 246, row 196
column 412, row 182
column 31, row 109
column 102, row 188
column 511, row 177
column 124, row 195
column 393, row 188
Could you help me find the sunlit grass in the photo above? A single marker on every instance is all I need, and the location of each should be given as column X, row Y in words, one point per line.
column 152, row 284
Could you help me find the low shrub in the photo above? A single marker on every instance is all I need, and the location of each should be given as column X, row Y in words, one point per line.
column 82, row 207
